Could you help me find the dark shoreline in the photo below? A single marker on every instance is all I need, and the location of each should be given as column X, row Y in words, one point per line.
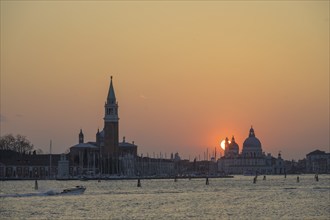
column 119, row 178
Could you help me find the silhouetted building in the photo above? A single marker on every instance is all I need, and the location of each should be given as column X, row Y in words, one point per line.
column 318, row 162
column 106, row 155
column 251, row 161
column 110, row 149
column 63, row 168
column 14, row 165
column 158, row 167
column 85, row 157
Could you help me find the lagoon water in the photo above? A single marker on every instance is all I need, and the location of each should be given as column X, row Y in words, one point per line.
column 227, row 198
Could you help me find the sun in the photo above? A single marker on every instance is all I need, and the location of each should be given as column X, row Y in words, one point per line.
column 223, row 144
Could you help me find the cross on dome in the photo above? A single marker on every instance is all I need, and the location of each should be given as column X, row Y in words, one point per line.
column 252, row 132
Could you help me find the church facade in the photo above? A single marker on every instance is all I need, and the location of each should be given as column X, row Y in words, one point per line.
column 105, row 155
column 251, row 161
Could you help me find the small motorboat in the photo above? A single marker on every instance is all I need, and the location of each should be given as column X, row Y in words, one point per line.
column 74, row 190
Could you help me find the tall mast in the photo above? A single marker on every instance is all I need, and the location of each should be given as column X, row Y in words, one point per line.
column 50, row 159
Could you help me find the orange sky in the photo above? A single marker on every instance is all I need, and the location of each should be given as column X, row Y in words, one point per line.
column 186, row 74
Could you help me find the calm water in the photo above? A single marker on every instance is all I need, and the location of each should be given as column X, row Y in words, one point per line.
column 235, row 198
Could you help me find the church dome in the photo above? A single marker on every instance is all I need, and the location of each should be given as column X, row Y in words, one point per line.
column 252, row 141
column 233, row 145
column 252, row 146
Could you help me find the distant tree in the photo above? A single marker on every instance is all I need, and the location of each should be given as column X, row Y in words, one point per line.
column 7, row 142
column 19, row 143
column 39, row 151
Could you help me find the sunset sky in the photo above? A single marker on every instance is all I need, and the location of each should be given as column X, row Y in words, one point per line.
column 186, row 74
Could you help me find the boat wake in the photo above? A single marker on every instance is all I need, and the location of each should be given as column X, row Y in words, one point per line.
column 69, row 191
column 48, row 193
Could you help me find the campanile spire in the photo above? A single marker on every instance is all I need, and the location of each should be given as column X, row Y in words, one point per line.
column 111, row 105
column 111, row 99
column 111, row 131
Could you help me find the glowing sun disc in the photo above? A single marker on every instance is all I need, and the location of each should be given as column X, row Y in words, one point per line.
column 223, row 144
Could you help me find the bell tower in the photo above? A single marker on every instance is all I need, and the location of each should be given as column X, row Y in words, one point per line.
column 81, row 137
column 111, row 126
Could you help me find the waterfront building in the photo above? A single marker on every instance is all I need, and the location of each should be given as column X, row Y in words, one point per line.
column 63, row 167
column 159, row 167
column 110, row 147
column 14, row 165
column 84, row 157
column 127, row 158
column 318, row 162
column 251, row 161
column 106, row 155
